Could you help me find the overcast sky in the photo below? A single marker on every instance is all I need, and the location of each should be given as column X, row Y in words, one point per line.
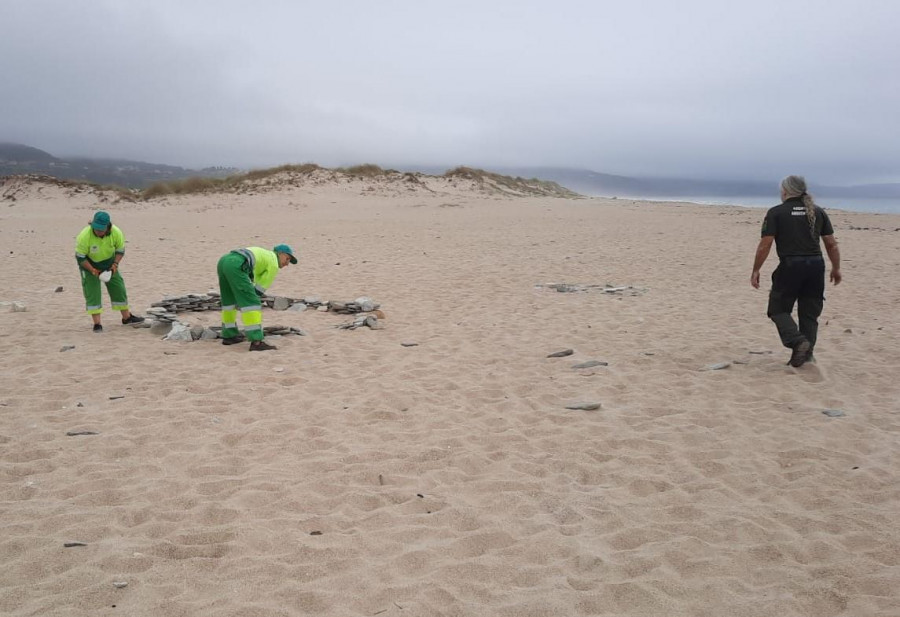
column 750, row 89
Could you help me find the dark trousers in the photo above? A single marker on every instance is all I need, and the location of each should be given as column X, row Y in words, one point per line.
column 800, row 280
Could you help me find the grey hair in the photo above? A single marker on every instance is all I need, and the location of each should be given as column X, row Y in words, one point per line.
column 795, row 186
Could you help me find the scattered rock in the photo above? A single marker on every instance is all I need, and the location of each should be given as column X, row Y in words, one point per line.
column 120, row 584
column 409, row 344
column 58, row 289
column 116, row 396
column 847, row 331
column 80, row 405
column 71, row 544
column 179, row 332
column 366, row 304
column 716, row 367
column 66, row 348
column 315, row 533
column 18, row 307
column 77, row 433
column 590, row 364
column 362, row 320
column 759, row 352
column 584, row 406
column 833, row 413
column 561, row 354
column 196, row 332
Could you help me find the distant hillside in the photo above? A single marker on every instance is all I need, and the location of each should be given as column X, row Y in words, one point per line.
column 18, row 152
column 17, row 159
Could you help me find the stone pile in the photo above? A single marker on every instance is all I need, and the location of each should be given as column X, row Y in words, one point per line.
column 168, row 308
column 608, row 288
column 165, row 314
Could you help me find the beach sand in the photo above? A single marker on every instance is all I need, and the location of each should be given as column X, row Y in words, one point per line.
column 347, row 474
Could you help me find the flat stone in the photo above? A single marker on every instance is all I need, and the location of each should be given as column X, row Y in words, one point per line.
column 67, row 347
column 833, row 413
column 409, row 344
column 73, row 544
column 716, row 367
column 561, row 354
column 323, row 309
column 120, row 584
column 208, row 335
column 298, row 307
column 590, row 364
column 281, row 303
column 584, row 406
column 77, row 433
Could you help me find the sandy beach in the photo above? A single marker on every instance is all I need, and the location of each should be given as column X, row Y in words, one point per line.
column 349, row 474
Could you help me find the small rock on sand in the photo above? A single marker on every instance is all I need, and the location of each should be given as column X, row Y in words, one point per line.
column 590, row 364
column 718, row 366
column 584, row 406
column 561, row 354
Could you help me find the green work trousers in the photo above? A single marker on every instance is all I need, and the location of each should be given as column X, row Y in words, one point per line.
column 91, row 287
column 239, row 294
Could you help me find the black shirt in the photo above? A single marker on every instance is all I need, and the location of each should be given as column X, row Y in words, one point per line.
column 787, row 222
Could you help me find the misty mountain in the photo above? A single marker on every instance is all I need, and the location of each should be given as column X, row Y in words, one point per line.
column 18, row 159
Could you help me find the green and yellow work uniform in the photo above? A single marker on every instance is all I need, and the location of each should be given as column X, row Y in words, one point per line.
column 244, row 276
column 101, row 253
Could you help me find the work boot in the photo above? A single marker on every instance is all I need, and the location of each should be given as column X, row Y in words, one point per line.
column 98, row 328
column 132, row 319
column 261, row 346
column 800, row 354
column 231, row 340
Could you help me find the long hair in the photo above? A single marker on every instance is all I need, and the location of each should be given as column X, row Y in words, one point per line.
column 795, row 186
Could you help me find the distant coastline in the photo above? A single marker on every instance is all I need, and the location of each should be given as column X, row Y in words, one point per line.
column 875, row 205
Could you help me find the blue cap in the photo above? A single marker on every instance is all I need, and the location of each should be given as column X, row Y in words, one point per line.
column 284, row 248
column 101, row 221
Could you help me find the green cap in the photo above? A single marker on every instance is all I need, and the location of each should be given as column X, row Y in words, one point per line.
column 101, row 221
column 284, row 248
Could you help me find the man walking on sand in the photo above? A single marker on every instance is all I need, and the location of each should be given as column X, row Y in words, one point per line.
column 244, row 276
column 796, row 225
column 99, row 250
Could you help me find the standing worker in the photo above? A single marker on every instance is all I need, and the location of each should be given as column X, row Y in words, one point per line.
column 796, row 226
column 244, row 276
column 99, row 249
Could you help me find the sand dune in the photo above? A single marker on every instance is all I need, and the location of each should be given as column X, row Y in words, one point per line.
column 346, row 474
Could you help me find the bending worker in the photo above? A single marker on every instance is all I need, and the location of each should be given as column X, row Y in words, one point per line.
column 244, row 276
column 99, row 249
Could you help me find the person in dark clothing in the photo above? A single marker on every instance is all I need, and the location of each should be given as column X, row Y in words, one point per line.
column 796, row 225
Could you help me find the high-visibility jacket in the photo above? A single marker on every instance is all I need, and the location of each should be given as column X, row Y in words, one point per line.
column 97, row 249
column 263, row 266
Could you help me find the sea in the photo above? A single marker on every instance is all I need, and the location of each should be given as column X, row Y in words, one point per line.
column 864, row 204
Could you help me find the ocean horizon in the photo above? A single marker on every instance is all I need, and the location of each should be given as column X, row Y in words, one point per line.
column 875, row 205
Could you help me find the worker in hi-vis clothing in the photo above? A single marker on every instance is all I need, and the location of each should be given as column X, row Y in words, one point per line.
column 99, row 249
column 244, row 276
